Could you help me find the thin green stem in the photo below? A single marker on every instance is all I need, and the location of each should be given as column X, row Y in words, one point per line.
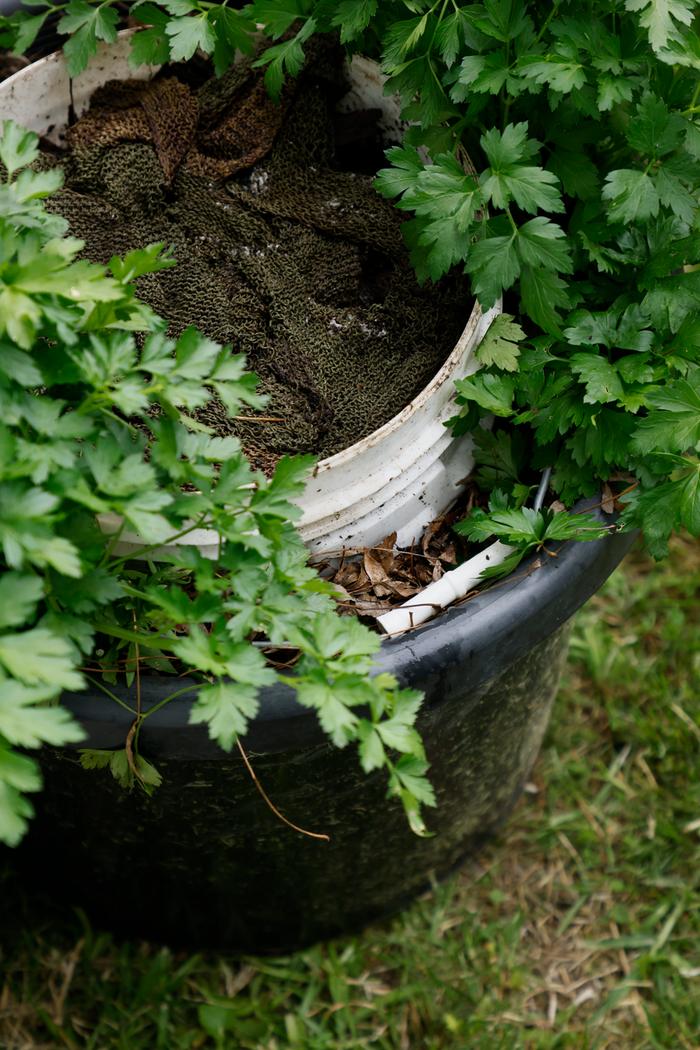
column 548, row 19
column 199, row 524
column 153, row 641
column 112, row 696
column 512, row 221
column 113, row 540
column 692, row 108
column 166, row 700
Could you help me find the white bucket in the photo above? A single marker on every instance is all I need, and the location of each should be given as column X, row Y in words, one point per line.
column 397, row 479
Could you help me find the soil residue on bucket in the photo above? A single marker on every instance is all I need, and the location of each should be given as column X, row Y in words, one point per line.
column 285, row 251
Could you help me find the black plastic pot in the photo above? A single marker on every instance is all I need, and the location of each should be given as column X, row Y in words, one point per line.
column 204, row 861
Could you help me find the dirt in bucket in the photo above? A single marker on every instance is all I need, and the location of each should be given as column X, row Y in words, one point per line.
column 284, row 249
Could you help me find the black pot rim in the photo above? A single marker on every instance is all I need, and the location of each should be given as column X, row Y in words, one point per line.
column 481, row 636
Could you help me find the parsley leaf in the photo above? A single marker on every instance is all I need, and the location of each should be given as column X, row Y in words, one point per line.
column 673, row 420
column 499, row 347
column 660, row 17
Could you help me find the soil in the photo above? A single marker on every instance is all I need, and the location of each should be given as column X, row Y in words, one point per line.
column 285, row 251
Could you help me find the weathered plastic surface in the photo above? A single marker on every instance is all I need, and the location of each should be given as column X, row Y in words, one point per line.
column 399, row 478
column 204, row 862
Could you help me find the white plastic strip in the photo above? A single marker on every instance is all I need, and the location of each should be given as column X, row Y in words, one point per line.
column 437, row 596
column 455, row 584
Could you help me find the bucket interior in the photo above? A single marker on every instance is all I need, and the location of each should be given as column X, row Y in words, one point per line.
column 285, row 251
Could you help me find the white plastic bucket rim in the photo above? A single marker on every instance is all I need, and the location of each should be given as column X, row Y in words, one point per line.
column 398, row 478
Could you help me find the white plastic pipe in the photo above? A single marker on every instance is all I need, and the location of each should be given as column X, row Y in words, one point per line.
column 455, row 584
column 437, row 596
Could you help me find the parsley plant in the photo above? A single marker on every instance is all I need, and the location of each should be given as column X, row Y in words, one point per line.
column 80, row 444
column 553, row 152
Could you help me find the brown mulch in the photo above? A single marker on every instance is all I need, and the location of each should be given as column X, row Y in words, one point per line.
column 372, row 580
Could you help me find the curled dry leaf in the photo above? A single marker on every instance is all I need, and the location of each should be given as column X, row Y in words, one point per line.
column 370, row 581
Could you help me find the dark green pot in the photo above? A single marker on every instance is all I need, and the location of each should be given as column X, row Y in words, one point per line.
column 205, row 863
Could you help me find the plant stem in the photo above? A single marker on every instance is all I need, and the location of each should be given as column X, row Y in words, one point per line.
column 112, row 696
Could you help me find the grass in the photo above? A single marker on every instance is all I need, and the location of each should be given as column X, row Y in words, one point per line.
column 578, row 928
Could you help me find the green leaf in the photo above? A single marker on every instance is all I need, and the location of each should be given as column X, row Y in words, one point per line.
column 95, row 758
column 436, row 246
column 614, row 329
column 445, row 200
column 559, row 72
column 666, row 507
column 674, row 195
column 218, row 1019
column 673, row 421
column 449, row 35
column 234, row 32
column 27, row 32
column 499, row 347
column 277, row 15
column 39, row 657
column 86, row 24
column 18, row 147
column 94, row 588
column 60, row 554
column 632, row 196
column 501, row 457
column 226, row 709
column 371, row 748
column 352, row 17
column 526, row 528
column 33, row 185
column 688, row 488
column 147, row 775
column 288, row 482
column 543, row 293
column 402, row 176
column 401, row 38
column 17, row 775
column 19, row 317
column 26, row 721
column 661, row 18
column 140, row 261
column 541, row 242
column 613, row 90
column 330, row 701
column 493, row 266
column 188, row 35
column 508, row 179
column 150, row 47
column 653, row 131
column 398, row 732
column 444, row 190
column 508, row 147
column 576, row 172
column 601, row 378
column 411, row 773
column 481, row 73
column 20, row 594
column 501, row 19
column 494, row 393
column 101, row 17
column 179, row 7
column 285, row 59
column 79, row 49
column 126, row 773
